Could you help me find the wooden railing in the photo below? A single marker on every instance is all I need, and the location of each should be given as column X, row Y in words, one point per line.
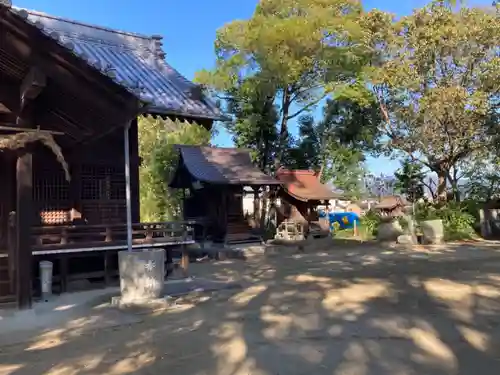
column 94, row 236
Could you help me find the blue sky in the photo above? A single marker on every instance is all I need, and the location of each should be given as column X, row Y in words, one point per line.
column 188, row 28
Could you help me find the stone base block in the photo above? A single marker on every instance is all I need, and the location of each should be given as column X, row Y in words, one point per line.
column 142, row 275
column 143, row 305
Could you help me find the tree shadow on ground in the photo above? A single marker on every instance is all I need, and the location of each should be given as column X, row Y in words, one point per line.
column 350, row 312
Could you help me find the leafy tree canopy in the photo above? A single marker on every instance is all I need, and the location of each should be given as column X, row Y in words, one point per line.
column 301, row 49
column 157, row 138
column 320, row 148
column 254, row 118
column 435, row 74
column 410, row 179
column 483, row 178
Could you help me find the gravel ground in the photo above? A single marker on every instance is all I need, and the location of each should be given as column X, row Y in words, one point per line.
column 352, row 312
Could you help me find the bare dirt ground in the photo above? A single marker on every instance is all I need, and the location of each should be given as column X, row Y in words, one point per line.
column 350, row 312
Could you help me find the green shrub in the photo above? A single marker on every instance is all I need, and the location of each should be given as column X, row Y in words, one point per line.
column 403, row 222
column 472, row 207
column 369, row 223
column 457, row 221
column 426, row 211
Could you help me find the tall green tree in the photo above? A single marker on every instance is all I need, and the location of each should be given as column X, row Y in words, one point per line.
column 302, row 48
column 157, row 138
column 410, row 177
column 253, row 119
column 345, row 170
column 349, row 128
column 435, row 74
column 352, row 123
column 307, row 151
column 321, row 147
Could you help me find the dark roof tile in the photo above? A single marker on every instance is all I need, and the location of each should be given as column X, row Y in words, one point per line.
column 228, row 166
column 132, row 60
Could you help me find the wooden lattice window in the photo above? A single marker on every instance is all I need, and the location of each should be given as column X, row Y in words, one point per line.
column 51, row 194
column 103, row 183
column 50, row 185
column 103, row 194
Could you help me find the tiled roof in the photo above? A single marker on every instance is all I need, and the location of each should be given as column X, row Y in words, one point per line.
column 305, row 185
column 390, row 202
column 228, row 166
column 132, row 60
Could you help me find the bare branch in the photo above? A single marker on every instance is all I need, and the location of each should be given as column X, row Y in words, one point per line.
column 303, row 109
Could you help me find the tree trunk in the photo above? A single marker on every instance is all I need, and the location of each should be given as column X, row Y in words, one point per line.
column 456, row 192
column 285, row 109
column 453, row 179
column 320, row 173
column 441, row 186
column 266, row 161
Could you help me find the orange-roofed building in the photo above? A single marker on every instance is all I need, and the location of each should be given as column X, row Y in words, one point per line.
column 301, row 193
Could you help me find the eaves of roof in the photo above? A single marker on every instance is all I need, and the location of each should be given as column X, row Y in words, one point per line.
column 133, row 61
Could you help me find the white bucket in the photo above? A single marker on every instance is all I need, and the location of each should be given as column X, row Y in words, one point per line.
column 46, row 268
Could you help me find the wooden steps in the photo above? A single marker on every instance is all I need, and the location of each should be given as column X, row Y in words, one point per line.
column 239, row 231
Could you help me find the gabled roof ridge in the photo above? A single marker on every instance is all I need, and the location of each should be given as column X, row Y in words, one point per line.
column 92, row 26
column 138, row 65
column 283, row 170
column 224, row 148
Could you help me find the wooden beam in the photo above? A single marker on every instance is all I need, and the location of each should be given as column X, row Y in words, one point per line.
column 33, row 84
column 70, row 71
column 8, row 96
column 21, row 130
column 24, row 216
column 7, row 118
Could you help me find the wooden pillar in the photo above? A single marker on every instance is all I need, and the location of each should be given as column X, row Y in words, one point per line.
column 185, row 261
column 183, row 207
column 223, row 216
column 76, row 190
column 134, row 171
column 256, row 206
column 30, row 88
column 24, row 217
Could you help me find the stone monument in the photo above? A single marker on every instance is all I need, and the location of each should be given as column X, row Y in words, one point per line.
column 142, row 275
column 433, row 231
column 389, row 229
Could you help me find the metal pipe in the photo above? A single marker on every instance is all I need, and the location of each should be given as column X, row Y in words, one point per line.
column 127, row 186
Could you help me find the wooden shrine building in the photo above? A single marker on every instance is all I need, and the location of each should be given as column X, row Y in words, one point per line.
column 85, row 86
column 301, row 194
column 213, row 179
column 391, row 206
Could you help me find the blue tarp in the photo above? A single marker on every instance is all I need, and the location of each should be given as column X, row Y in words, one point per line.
column 346, row 220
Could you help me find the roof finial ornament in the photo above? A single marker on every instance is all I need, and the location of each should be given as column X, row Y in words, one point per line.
column 196, row 92
column 157, row 47
column 7, row 3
